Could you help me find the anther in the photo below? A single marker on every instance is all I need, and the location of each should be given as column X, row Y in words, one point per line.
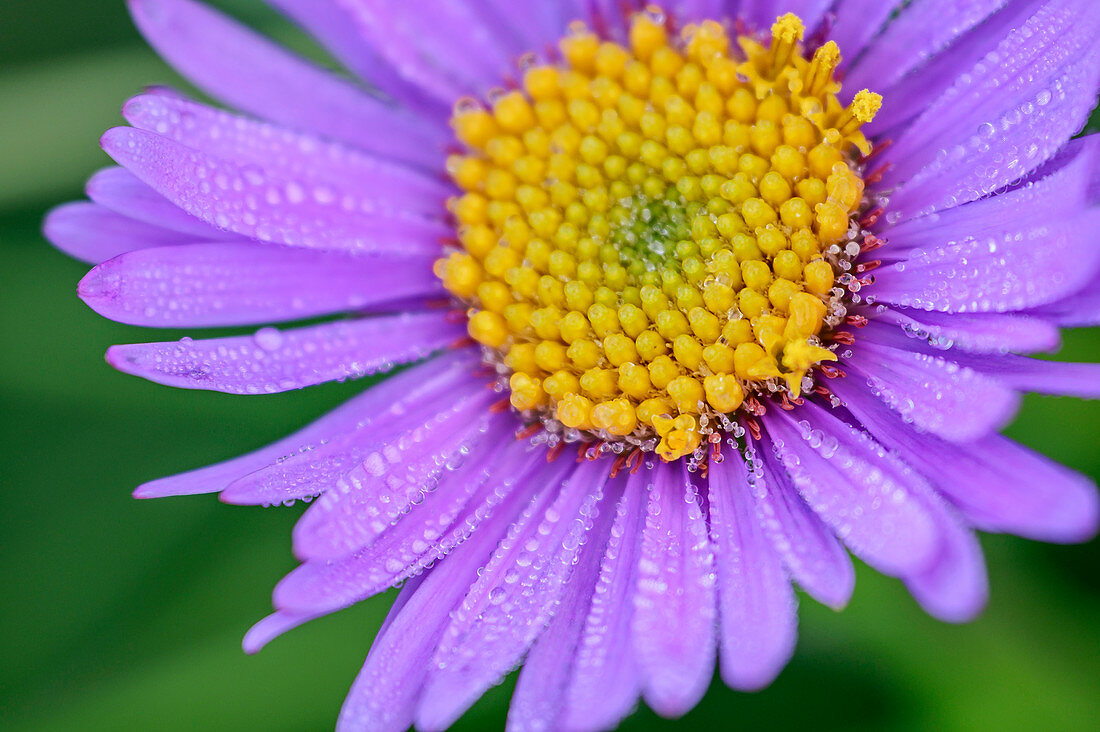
column 786, row 33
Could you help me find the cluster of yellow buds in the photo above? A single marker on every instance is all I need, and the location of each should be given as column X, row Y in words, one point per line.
column 645, row 228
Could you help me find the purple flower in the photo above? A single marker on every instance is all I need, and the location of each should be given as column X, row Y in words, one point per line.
column 737, row 317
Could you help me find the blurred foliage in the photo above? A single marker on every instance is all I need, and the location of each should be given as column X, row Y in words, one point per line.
column 124, row 614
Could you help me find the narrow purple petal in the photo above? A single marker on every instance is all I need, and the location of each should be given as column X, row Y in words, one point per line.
column 1007, row 116
column 674, row 604
column 271, row 204
column 386, row 691
column 429, row 44
column 757, row 609
column 855, row 23
column 605, row 683
column 334, row 27
column 912, row 94
column 933, row 393
column 94, row 234
column 271, row 360
column 997, row 484
column 414, row 541
column 219, row 284
column 513, row 598
column 920, row 31
column 810, row 551
column 120, row 190
column 365, row 408
column 270, row 628
column 857, row 488
column 251, row 73
column 538, row 701
column 954, row 588
column 1081, row 309
column 977, row 333
column 393, row 479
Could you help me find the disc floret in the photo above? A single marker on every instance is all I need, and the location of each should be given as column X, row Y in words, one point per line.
column 648, row 233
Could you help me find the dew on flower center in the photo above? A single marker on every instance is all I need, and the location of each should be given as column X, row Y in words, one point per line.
column 650, row 234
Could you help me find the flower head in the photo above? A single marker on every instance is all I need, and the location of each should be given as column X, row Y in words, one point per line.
column 702, row 296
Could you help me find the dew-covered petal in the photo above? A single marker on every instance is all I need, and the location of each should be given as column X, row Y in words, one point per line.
column 762, row 13
column 351, row 176
column 251, row 73
column 537, row 703
column 393, row 478
column 385, row 693
column 918, row 32
column 370, row 407
column 1012, row 371
column 933, row 393
column 120, row 190
column 997, row 484
column 1079, row 310
column 811, row 553
column 417, row 539
column 758, row 621
column 674, row 603
column 220, row 284
column 1005, row 117
column 856, row 487
column 273, row 360
column 429, row 43
column 605, row 682
column 954, row 587
column 333, row 26
column 271, row 627
column 94, row 234
column 978, row 332
column 272, row 204
column 855, row 23
column 513, row 598
column 911, row 94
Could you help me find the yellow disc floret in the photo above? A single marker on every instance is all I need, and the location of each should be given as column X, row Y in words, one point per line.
column 651, row 234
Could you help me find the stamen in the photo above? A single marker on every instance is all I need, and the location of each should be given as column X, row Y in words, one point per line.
column 786, row 33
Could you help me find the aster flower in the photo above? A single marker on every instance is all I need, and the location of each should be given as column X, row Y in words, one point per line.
column 701, row 297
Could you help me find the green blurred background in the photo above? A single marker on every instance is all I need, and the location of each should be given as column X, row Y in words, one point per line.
column 125, row 614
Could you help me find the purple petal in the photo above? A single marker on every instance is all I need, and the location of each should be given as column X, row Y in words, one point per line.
column 422, row 536
column 855, row 23
column 513, row 598
column 919, row 32
column 810, row 551
column 120, row 190
column 978, row 333
column 385, row 693
column 333, row 26
column 393, row 479
column 757, row 609
column 272, row 204
column 1005, row 117
column 218, row 284
column 934, row 394
column 857, row 488
column 1081, row 309
column 429, row 44
column 540, row 694
column 910, row 95
column 674, row 605
column 347, row 417
column 605, row 685
column 997, row 484
column 954, row 588
column 248, row 72
column 272, row 361
column 270, row 628
column 95, row 234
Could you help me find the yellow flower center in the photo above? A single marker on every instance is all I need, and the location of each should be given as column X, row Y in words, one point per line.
column 650, row 233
